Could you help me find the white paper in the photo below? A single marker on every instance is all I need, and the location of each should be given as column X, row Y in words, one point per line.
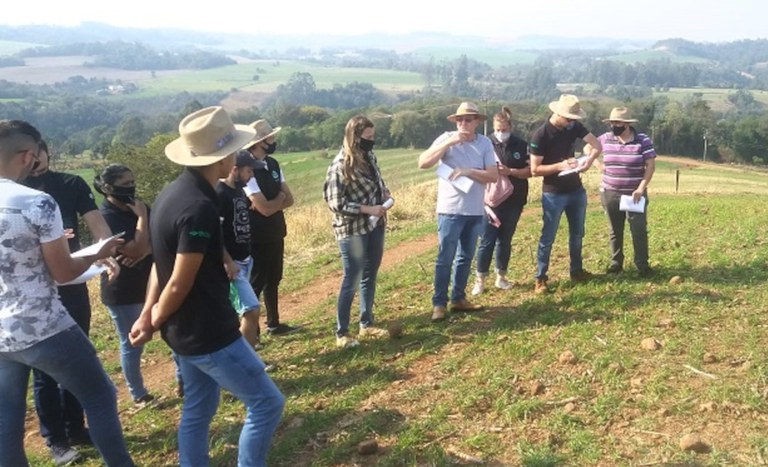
column 462, row 183
column 373, row 220
column 95, row 248
column 89, row 273
column 579, row 164
column 626, row 203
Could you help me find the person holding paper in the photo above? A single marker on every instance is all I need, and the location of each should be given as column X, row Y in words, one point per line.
column 512, row 153
column 124, row 297
column 355, row 193
column 629, row 163
column 36, row 330
column 460, row 213
column 552, row 150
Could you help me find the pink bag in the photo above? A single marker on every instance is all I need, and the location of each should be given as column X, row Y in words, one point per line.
column 498, row 191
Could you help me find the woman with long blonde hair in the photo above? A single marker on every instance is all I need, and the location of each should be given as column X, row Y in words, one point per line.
column 358, row 198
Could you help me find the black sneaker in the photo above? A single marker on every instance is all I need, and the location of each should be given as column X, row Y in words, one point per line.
column 144, row 400
column 282, row 329
column 614, row 268
column 63, row 454
column 645, row 272
column 80, row 438
column 581, row 276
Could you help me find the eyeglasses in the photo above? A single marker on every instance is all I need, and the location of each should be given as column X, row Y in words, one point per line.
column 465, row 119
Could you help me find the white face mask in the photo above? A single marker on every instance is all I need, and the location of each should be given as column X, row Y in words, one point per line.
column 502, row 136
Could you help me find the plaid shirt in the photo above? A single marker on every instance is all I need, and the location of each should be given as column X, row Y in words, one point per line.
column 344, row 198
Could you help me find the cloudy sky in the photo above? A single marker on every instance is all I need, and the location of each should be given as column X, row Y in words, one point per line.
column 711, row 21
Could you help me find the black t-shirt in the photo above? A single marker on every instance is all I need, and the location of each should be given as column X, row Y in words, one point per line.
column 130, row 287
column 233, row 208
column 514, row 154
column 186, row 220
column 268, row 229
column 71, row 193
column 556, row 145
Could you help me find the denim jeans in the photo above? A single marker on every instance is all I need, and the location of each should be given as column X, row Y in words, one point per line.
column 238, row 369
column 457, row 237
column 71, row 360
column 638, row 227
column 360, row 258
column 246, row 296
column 553, row 204
column 498, row 237
column 130, row 357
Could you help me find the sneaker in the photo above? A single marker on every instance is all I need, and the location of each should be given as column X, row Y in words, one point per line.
column 438, row 313
column 614, row 268
column 346, row 342
column 541, row 287
column 581, row 276
column 372, row 331
column 282, row 329
column 465, row 305
column 645, row 272
column 502, row 283
column 479, row 286
column 80, row 438
column 144, row 400
column 63, row 454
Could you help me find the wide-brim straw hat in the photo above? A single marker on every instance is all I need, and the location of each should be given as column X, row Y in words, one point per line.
column 620, row 114
column 206, row 137
column 263, row 131
column 467, row 109
column 568, row 106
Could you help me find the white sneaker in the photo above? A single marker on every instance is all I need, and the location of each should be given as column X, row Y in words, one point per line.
column 346, row 342
column 502, row 283
column 479, row 286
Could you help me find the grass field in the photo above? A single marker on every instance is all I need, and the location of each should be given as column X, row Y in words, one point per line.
column 499, row 387
column 649, row 55
column 717, row 98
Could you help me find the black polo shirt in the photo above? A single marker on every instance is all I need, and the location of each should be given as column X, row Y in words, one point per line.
column 556, row 145
column 71, row 193
column 268, row 229
column 130, row 287
column 514, row 154
column 233, row 208
column 186, row 220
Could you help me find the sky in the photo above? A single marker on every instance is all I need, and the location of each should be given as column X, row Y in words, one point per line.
column 703, row 21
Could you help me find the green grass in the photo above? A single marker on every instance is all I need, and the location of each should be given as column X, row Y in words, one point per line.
column 462, row 389
column 493, row 57
column 718, row 98
column 649, row 55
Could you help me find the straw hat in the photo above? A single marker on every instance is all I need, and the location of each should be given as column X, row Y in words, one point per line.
column 263, row 131
column 568, row 106
column 620, row 114
column 206, row 137
column 465, row 109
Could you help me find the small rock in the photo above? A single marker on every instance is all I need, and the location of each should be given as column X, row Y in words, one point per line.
column 650, row 343
column 395, row 330
column 664, row 412
column 568, row 358
column 537, row 389
column 666, row 323
column 675, row 280
column 569, row 407
column 319, row 405
column 368, row 447
column 709, row 358
column 692, row 442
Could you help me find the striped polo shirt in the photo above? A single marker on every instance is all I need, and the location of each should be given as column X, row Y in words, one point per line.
column 625, row 162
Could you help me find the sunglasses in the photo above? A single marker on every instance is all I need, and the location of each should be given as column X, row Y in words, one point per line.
column 465, row 119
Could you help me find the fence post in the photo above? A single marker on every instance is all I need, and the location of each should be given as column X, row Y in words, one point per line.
column 677, row 179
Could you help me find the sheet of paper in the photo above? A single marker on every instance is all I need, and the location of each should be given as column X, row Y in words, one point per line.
column 89, row 273
column 626, row 203
column 580, row 162
column 95, row 248
column 375, row 219
column 462, row 183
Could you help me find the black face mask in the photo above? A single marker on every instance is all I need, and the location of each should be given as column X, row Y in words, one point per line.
column 617, row 130
column 366, row 144
column 271, row 147
column 124, row 194
column 36, row 182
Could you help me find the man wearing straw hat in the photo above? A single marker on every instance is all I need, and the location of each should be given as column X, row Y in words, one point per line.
column 467, row 162
column 552, row 152
column 629, row 163
column 188, row 295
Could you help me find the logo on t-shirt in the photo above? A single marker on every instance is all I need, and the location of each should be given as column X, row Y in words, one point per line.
column 199, row 234
column 516, row 155
column 275, row 175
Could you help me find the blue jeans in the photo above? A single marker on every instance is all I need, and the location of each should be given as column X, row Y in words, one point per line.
column 130, row 357
column 246, row 296
column 457, row 237
column 500, row 238
column 360, row 258
column 240, row 371
column 70, row 359
column 553, row 204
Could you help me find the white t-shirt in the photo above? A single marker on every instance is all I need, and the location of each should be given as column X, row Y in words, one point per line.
column 252, row 187
column 477, row 154
column 30, row 309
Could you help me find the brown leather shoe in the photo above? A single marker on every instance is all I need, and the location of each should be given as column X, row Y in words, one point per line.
column 465, row 305
column 540, row 287
column 438, row 313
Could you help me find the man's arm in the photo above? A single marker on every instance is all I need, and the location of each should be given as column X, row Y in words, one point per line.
column 538, row 169
column 62, row 266
column 97, row 225
column 140, row 247
column 432, row 156
column 288, row 201
column 487, row 175
column 142, row 330
column 650, row 167
column 266, row 207
column 594, row 153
